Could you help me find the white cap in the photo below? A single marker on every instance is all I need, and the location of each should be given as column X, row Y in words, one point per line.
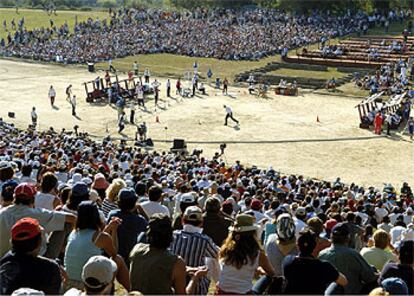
column 27, row 291
column 100, row 268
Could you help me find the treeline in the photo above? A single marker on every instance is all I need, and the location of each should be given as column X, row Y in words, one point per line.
column 300, row 6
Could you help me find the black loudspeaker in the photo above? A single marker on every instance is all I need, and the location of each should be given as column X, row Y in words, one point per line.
column 11, row 114
column 179, row 144
column 91, row 67
column 149, row 142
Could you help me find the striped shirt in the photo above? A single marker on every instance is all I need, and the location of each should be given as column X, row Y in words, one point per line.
column 194, row 248
column 108, row 206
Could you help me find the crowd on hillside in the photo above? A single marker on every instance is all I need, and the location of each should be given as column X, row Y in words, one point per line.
column 77, row 214
column 218, row 33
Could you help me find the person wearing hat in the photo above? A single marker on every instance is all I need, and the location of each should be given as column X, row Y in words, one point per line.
column 395, row 286
column 194, row 246
column 300, row 220
column 405, row 268
column 307, row 275
column 78, row 193
column 23, row 267
column 348, row 261
column 132, row 222
column 240, row 256
column 186, row 200
column 100, row 184
column 47, row 198
column 215, row 224
column 7, row 191
column 154, row 268
column 98, row 275
column 23, row 206
column 282, row 243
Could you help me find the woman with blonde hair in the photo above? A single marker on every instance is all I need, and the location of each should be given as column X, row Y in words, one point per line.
column 110, row 201
column 240, row 257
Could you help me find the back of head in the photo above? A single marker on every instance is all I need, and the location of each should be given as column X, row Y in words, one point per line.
column 406, row 252
column 155, row 193
column 98, row 275
column 49, row 182
column 213, row 205
column 306, row 243
column 159, row 231
column 381, row 239
column 340, row 234
column 315, row 224
column 88, row 216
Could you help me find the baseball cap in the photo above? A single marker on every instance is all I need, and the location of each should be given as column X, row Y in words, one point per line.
column 256, row 204
column 101, row 269
column 25, row 190
column 127, row 194
column 7, row 189
column 395, row 286
column 25, row 228
column 187, row 198
column 300, row 211
column 27, row 292
column 193, row 213
column 80, row 189
column 340, row 229
column 330, row 224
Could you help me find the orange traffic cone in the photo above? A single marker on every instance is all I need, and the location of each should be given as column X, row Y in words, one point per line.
column 317, row 119
column 157, row 119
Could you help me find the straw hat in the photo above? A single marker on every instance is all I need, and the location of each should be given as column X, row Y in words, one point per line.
column 243, row 223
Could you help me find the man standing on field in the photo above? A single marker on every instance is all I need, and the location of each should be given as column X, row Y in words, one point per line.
column 52, row 95
column 229, row 115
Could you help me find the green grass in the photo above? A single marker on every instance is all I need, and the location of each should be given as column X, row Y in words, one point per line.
column 332, row 72
column 175, row 66
column 38, row 18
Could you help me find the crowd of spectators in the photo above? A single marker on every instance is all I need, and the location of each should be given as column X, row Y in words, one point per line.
column 76, row 214
column 218, row 33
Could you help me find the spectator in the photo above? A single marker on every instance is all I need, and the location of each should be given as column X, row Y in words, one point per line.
column 349, row 262
column 378, row 255
column 240, row 256
column 156, row 270
column 47, row 198
column 193, row 246
column 91, row 238
column 154, row 205
column 403, row 269
column 132, row 223
column 23, row 267
column 22, row 207
column 110, row 202
column 215, row 224
column 307, row 275
column 98, row 276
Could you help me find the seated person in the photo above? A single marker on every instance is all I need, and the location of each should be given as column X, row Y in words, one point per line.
column 251, row 89
column 202, row 88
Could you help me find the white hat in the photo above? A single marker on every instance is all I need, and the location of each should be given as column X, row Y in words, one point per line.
column 27, row 291
column 101, row 269
column 187, row 198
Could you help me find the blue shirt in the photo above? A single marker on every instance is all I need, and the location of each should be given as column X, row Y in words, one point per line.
column 131, row 227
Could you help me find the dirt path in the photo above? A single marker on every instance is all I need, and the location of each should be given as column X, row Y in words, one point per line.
column 279, row 131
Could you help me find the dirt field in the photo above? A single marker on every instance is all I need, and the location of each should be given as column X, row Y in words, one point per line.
column 278, row 131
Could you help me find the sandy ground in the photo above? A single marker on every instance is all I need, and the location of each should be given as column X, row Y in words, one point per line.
column 279, row 131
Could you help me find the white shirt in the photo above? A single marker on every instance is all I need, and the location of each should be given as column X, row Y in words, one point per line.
column 152, row 207
column 34, row 114
column 299, row 226
column 52, row 92
column 73, row 101
column 44, row 201
column 228, row 110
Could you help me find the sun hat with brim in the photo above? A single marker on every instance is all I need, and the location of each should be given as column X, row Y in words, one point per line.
column 101, row 269
column 25, row 190
column 24, row 229
column 243, row 223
